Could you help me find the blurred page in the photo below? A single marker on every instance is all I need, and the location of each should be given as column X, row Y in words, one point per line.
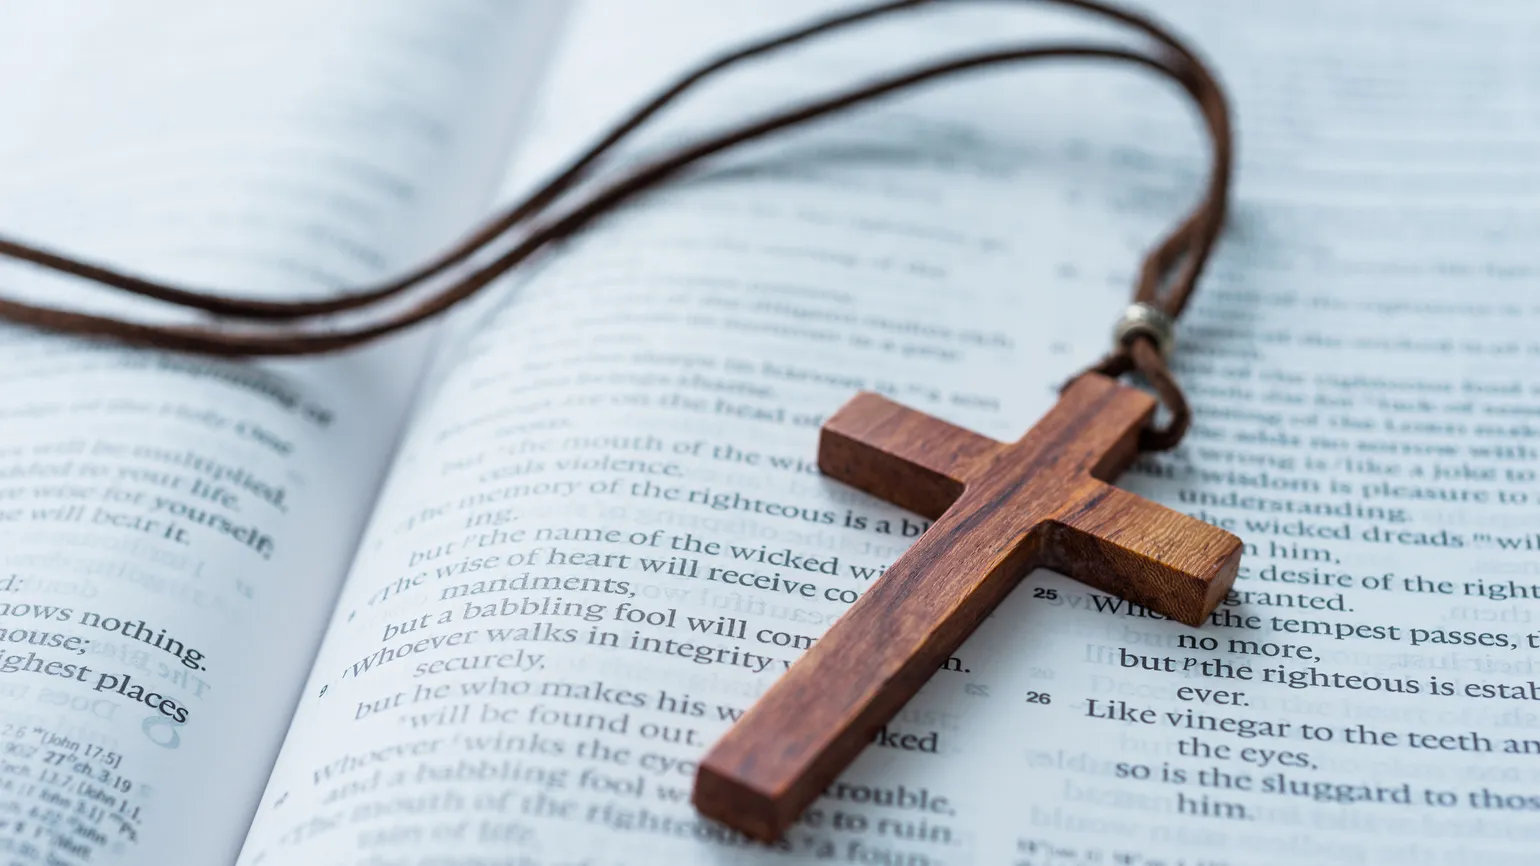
column 173, row 529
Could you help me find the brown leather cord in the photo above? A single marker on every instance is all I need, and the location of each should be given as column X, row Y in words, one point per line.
column 1140, row 354
column 1161, row 283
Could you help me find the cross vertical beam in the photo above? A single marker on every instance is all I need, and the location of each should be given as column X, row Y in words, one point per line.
column 1000, row 510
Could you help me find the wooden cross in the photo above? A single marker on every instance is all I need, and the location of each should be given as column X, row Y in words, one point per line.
column 1001, row 510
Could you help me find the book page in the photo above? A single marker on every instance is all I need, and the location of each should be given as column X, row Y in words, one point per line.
column 173, row 529
column 606, row 535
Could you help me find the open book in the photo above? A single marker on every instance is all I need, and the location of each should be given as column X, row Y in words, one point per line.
column 482, row 594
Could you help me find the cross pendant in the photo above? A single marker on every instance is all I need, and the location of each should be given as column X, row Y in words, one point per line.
column 1000, row 510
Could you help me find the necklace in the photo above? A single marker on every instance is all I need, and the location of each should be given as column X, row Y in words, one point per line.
column 1001, row 509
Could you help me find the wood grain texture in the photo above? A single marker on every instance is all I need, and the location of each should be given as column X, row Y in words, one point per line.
column 1001, row 510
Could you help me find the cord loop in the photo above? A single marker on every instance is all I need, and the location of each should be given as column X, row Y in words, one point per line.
column 256, row 326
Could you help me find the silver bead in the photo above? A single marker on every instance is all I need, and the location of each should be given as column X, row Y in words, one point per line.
column 1144, row 320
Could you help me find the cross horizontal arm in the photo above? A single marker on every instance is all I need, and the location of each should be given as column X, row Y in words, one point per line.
column 1133, row 548
column 898, row 454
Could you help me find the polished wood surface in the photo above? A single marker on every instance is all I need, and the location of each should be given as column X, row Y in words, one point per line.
column 1001, row 510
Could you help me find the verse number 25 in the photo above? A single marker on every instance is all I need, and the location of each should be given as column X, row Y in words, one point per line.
column 1044, row 592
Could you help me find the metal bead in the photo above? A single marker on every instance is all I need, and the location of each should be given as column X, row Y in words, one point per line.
column 1147, row 321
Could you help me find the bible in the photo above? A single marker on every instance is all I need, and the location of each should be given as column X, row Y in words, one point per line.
column 487, row 591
